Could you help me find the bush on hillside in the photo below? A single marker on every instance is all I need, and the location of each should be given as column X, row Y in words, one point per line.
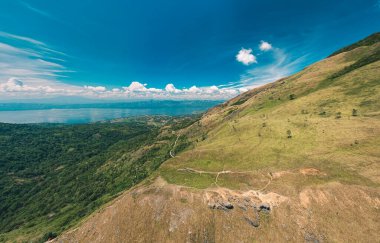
column 289, row 133
column 355, row 112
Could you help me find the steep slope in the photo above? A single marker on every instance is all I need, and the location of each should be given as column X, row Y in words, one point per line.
column 53, row 175
column 294, row 160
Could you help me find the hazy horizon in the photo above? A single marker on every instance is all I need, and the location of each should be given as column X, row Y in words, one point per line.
column 130, row 50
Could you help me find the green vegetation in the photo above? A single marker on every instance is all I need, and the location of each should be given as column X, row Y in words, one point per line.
column 354, row 112
column 51, row 176
column 360, row 63
column 317, row 128
column 368, row 41
column 308, row 120
column 289, row 133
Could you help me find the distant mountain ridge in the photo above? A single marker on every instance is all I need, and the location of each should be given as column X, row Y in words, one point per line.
column 151, row 104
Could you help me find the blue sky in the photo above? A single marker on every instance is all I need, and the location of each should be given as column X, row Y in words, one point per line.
column 168, row 49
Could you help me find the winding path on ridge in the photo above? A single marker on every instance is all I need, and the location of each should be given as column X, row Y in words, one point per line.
column 191, row 170
column 175, row 143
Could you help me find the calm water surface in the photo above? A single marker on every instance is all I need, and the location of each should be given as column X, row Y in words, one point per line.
column 86, row 115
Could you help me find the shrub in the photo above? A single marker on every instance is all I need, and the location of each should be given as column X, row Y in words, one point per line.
column 49, row 236
column 289, row 133
column 354, row 112
column 292, row 96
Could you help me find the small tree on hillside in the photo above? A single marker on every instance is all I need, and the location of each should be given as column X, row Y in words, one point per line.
column 289, row 133
column 354, row 112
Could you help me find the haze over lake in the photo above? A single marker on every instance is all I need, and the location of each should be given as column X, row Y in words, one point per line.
column 86, row 113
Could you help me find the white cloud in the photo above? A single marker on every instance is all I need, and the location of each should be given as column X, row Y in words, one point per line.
column 242, row 90
column 194, row 89
column 171, row 88
column 31, row 69
column 246, row 57
column 265, row 46
column 135, row 86
column 96, row 88
column 15, row 82
column 15, row 87
column 211, row 90
column 12, row 85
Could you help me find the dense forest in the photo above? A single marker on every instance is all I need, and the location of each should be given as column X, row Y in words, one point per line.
column 51, row 175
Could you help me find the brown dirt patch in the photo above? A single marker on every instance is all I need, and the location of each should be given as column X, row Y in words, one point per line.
column 311, row 172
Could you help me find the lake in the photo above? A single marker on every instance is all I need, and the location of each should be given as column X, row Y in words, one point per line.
column 93, row 114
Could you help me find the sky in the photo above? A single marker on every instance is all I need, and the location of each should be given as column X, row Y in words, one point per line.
column 168, row 49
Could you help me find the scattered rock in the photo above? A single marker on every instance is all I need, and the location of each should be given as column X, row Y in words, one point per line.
column 221, row 205
column 311, row 237
column 254, row 223
column 228, row 205
column 212, row 206
column 264, row 207
column 243, row 207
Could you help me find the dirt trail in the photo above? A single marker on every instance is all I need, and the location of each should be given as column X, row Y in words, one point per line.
column 218, row 173
column 175, row 143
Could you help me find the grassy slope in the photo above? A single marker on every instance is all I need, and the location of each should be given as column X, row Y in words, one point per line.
column 370, row 40
column 325, row 134
column 322, row 182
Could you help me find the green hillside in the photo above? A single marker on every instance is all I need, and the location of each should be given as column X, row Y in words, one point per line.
column 325, row 117
column 51, row 176
column 296, row 160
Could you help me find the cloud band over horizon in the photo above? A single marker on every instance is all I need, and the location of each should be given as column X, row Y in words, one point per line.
column 33, row 70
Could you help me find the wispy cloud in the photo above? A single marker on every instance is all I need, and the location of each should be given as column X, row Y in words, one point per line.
column 22, row 38
column 30, row 68
column 36, row 10
column 283, row 65
column 30, row 61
